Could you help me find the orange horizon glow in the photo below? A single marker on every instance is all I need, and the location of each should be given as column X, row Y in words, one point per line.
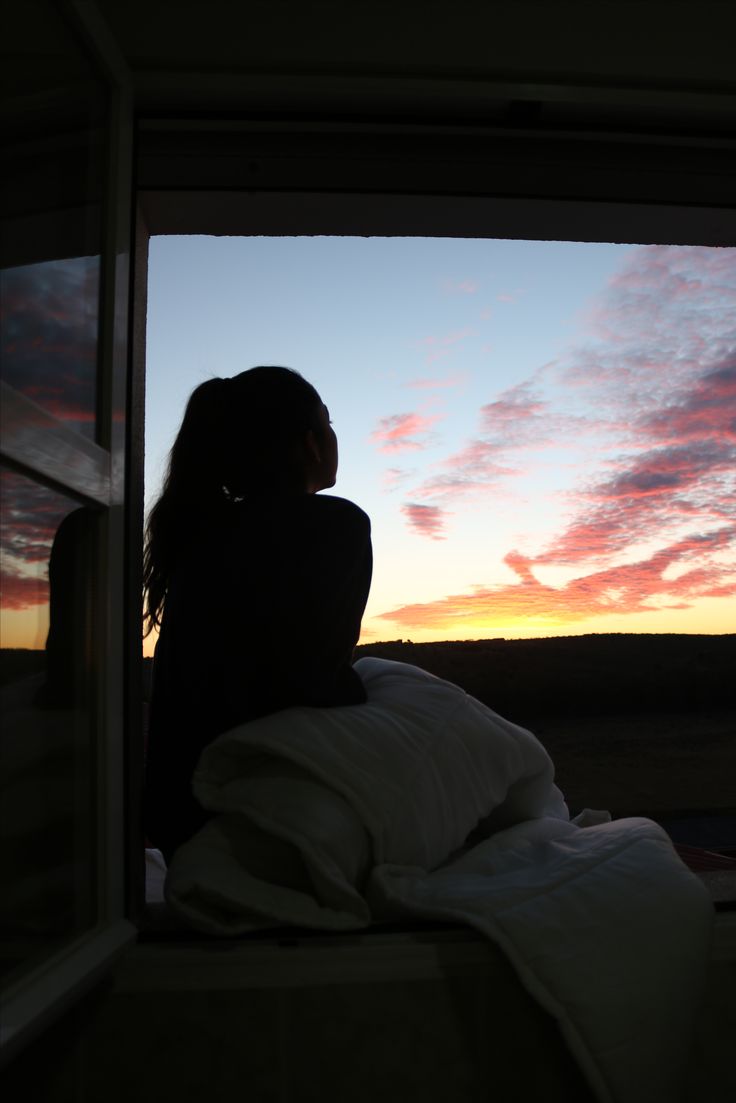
column 27, row 629
column 24, row 628
column 714, row 618
column 709, row 617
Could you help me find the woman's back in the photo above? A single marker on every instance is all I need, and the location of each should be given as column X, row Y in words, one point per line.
column 262, row 612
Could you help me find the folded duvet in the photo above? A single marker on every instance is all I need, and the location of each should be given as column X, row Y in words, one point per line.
column 424, row 803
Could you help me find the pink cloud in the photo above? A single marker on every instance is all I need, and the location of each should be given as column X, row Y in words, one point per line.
column 23, row 591
column 394, row 477
column 404, row 432
column 679, row 430
column 474, row 467
column 706, row 411
column 665, row 470
column 31, row 515
column 630, row 588
column 661, row 322
column 654, row 392
column 437, row 347
column 520, row 565
column 641, row 506
column 49, row 336
column 425, row 520
column 516, row 407
column 684, row 470
column 518, row 419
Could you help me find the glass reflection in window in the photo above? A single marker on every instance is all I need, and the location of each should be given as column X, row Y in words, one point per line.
column 49, row 336
column 47, row 824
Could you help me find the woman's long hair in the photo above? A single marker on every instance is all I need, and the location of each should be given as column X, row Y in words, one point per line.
column 237, row 435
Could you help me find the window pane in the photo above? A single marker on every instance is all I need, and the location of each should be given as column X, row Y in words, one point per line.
column 49, row 336
column 52, row 187
column 48, row 550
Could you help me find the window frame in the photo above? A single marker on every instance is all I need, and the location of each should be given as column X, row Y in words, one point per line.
column 189, row 185
column 290, row 166
column 38, row 445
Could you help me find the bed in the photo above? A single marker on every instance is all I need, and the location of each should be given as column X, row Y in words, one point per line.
column 423, row 806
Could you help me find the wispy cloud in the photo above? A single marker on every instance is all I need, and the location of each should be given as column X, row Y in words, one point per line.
column 394, row 477
column 21, row 591
column 425, row 520
column 665, row 318
column 519, row 409
column 49, row 336
column 687, row 480
column 439, row 346
column 517, row 419
column 31, row 515
column 651, row 388
column 642, row 586
column 475, row 468
column 704, row 411
column 460, row 287
column 404, row 432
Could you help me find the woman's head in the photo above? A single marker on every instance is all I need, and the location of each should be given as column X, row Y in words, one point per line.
column 265, row 430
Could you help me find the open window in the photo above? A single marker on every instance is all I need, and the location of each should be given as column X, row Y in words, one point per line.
column 192, row 182
column 625, row 430
column 228, row 156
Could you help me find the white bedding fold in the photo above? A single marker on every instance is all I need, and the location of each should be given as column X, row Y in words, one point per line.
column 328, row 818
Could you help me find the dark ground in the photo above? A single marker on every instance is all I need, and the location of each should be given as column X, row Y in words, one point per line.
column 636, row 724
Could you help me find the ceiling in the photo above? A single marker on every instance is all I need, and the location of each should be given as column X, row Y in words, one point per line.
column 454, row 58
column 643, row 44
column 553, row 118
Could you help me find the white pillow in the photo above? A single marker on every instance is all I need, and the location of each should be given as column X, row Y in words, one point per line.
column 289, row 851
column 310, row 799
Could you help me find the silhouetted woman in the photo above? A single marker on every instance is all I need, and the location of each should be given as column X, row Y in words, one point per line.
column 257, row 583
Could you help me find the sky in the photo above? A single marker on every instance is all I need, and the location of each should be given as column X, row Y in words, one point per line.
column 542, row 433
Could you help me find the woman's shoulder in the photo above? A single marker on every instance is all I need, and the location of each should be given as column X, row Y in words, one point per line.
column 339, row 510
column 302, row 517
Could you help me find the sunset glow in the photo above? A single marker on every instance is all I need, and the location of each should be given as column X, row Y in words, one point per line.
column 543, row 433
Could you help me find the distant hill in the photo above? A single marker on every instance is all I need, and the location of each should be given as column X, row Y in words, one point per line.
column 590, row 675
column 20, row 662
column 595, row 675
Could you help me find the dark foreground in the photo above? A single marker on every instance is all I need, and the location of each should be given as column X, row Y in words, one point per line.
column 637, row 724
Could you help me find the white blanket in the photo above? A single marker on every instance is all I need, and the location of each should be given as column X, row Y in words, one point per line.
column 425, row 803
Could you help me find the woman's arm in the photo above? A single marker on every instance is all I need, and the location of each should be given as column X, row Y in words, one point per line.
column 327, row 581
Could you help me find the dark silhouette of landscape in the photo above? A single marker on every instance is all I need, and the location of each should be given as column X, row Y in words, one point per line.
column 637, row 724
column 595, row 675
